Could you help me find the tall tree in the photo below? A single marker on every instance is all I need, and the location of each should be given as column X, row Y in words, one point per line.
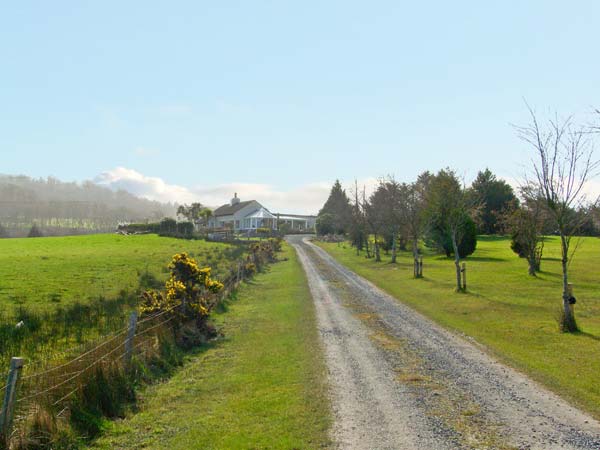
column 413, row 221
column 387, row 211
column 562, row 167
column 357, row 231
column 495, row 197
column 375, row 217
column 338, row 206
column 448, row 210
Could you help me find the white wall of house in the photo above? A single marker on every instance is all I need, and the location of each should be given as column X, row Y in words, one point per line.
column 254, row 215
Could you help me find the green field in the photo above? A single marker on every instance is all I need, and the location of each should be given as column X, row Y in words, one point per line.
column 70, row 290
column 43, row 273
column 509, row 312
column 262, row 386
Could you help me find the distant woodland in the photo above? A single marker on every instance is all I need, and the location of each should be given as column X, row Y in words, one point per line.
column 51, row 207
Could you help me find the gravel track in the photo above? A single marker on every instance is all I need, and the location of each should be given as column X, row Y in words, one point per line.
column 399, row 381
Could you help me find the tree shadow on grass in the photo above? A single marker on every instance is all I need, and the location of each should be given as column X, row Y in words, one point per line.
column 587, row 335
column 542, row 273
column 485, row 259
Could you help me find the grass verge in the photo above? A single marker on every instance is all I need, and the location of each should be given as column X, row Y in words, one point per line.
column 511, row 313
column 261, row 386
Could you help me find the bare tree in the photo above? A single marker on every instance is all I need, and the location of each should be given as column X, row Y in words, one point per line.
column 413, row 222
column 357, row 231
column 375, row 215
column 387, row 201
column 562, row 166
column 526, row 224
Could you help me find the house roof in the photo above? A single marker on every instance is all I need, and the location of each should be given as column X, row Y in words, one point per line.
column 261, row 213
column 229, row 209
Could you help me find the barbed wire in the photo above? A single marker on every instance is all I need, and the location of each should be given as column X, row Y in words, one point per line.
column 77, row 374
column 54, row 355
column 52, row 369
column 154, row 326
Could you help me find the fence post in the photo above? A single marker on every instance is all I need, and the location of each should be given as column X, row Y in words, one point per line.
column 8, row 406
column 129, row 340
column 464, row 276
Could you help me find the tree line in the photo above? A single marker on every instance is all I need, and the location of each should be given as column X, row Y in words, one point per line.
column 55, row 207
column 439, row 211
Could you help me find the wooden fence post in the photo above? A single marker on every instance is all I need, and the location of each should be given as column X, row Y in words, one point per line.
column 10, row 396
column 129, row 340
column 464, row 276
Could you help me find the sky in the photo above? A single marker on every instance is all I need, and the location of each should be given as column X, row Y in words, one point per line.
column 193, row 100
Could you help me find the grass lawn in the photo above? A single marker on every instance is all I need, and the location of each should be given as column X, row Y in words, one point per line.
column 47, row 272
column 509, row 312
column 262, row 386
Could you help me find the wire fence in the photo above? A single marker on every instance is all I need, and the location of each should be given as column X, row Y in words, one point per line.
column 56, row 383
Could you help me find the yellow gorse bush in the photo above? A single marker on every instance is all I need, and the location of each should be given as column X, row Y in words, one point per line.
column 188, row 290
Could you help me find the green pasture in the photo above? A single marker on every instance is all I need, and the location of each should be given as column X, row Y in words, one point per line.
column 41, row 273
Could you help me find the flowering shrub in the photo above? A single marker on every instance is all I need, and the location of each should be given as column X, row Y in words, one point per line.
column 188, row 291
column 249, row 269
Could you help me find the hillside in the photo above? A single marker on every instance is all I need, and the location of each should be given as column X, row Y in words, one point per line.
column 60, row 208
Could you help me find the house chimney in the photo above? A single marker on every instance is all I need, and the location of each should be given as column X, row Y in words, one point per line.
column 235, row 200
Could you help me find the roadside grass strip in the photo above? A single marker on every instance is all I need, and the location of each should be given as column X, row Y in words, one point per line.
column 263, row 385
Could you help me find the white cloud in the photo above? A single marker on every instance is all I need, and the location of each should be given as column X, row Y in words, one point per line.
column 305, row 199
column 152, row 188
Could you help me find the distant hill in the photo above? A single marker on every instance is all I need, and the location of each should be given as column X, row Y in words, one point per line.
column 60, row 208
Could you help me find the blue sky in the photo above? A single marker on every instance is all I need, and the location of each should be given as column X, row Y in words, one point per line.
column 194, row 99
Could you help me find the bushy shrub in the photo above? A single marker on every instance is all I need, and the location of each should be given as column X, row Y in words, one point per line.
column 187, row 292
column 440, row 240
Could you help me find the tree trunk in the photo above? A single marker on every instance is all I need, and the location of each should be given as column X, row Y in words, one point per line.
column 415, row 249
column 457, row 263
column 568, row 320
column 394, row 247
column 377, row 253
column 531, row 262
column 531, row 269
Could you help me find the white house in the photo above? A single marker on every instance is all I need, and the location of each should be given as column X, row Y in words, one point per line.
column 250, row 215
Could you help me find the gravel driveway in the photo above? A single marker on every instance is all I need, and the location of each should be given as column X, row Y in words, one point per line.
column 399, row 381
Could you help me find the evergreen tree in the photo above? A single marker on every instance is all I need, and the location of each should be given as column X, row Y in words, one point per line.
column 338, row 206
column 495, row 197
column 448, row 217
